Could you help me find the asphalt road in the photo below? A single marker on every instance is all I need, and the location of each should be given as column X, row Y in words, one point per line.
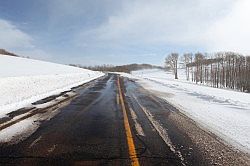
column 111, row 121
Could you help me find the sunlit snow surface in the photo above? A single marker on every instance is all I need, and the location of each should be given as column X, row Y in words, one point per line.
column 224, row 112
column 23, row 81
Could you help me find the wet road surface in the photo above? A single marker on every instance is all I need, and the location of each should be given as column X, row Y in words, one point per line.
column 92, row 130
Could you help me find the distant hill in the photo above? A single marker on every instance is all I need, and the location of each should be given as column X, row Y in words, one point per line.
column 122, row 68
column 4, row 52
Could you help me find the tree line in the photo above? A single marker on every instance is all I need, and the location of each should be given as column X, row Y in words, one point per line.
column 122, row 68
column 4, row 52
column 220, row 70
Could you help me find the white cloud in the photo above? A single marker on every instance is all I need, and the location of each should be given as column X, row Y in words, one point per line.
column 211, row 25
column 232, row 32
column 161, row 21
column 19, row 42
column 12, row 37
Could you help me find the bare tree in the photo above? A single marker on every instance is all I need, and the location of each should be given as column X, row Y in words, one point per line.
column 171, row 61
column 187, row 58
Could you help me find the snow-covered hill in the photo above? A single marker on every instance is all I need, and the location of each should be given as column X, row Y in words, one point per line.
column 23, row 81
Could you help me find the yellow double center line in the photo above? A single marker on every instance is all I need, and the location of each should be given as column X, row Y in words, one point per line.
column 130, row 141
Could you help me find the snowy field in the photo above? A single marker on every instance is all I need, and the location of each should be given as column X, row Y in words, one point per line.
column 224, row 112
column 23, row 81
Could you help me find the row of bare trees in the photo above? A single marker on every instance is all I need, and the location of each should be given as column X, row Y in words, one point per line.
column 221, row 70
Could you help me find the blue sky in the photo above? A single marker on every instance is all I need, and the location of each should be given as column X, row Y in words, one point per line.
column 92, row 32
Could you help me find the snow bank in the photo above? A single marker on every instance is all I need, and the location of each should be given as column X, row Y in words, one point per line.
column 23, row 81
column 224, row 112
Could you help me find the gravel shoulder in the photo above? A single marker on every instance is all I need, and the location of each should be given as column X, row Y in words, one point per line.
column 212, row 148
